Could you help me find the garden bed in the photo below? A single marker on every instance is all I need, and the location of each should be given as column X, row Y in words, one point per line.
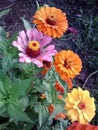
column 81, row 37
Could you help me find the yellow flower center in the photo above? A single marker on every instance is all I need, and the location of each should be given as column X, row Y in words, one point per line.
column 33, row 49
column 51, row 20
column 81, row 105
column 34, row 45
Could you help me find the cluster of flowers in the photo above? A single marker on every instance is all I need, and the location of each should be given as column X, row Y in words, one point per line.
column 34, row 47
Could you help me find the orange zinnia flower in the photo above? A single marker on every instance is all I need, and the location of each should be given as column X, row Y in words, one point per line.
column 67, row 64
column 60, row 97
column 60, row 115
column 51, row 108
column 47, row 65
column 51, row 21
column 58, row 87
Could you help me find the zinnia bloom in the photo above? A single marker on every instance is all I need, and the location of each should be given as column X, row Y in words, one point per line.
column 51, row 21
column 47, row 65
column 78, row 126
column 67, row 64
column 58, row 87
column 60, row 97
column 51, row 108
column 43, row 96
column 60, row 115
column 33, row 47
column 80, row 106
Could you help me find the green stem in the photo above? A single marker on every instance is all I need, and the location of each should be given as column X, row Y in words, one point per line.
column 88, row 78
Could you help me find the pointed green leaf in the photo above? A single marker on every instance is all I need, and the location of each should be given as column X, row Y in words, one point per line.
column 5, row 82
column 7, row 63
column 4, row 12
column 27, row 25
column 21, row 88
column 43, row 114
column 2, row 110
column 2, row 101
column 58, row 108
column 63, row 84
column 3, row 39
column 63, row 124
column 44, row 128
column 16, row 112
column 2, row 32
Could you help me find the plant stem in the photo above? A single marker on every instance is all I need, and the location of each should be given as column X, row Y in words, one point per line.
column 89, row 77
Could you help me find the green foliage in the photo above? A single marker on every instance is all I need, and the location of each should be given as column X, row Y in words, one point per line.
column 4, row 12
column 22, row 84
column 10, row 94
column 27, row 25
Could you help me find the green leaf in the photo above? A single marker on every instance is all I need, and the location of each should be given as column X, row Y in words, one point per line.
column 2, row 32
column 50, row 76
column 4, row 12
column 43, row 114
column 5, row 82
column 8, row 62
column 63, row 124
column 2, row 102
column 27, row 25
column 63, row 84
column 21, row 88
column 2, row 109
column 25, row 102
column 3, row 39
column 44, row 128
column 2, row 89
column 58, row 108
column 15, row 111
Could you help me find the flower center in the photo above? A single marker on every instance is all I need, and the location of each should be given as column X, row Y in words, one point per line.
column 67, row 63
column 33, row 49
column 81, row 105
column 51, row 20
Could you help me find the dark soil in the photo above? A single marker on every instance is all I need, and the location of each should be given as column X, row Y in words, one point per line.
column 26, row 8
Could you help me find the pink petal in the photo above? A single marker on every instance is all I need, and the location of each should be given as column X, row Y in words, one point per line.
column 25, row 58
column 22, row 34
column 50, row 47
column 40, row 37
column 22, row 55
column 47, row 58
column 16, row 44
column 20, row 48
column 46, row 55
column 29, row 34
column 34, row 34
column 21, row 59
column 20, row 42
column 37, row 62
column 46, row 40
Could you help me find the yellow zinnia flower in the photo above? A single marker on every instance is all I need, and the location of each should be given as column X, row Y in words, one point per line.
column 80, row 106
column 51, row 21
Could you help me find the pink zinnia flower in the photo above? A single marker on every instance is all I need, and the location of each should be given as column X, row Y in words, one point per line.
column 33, row 47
